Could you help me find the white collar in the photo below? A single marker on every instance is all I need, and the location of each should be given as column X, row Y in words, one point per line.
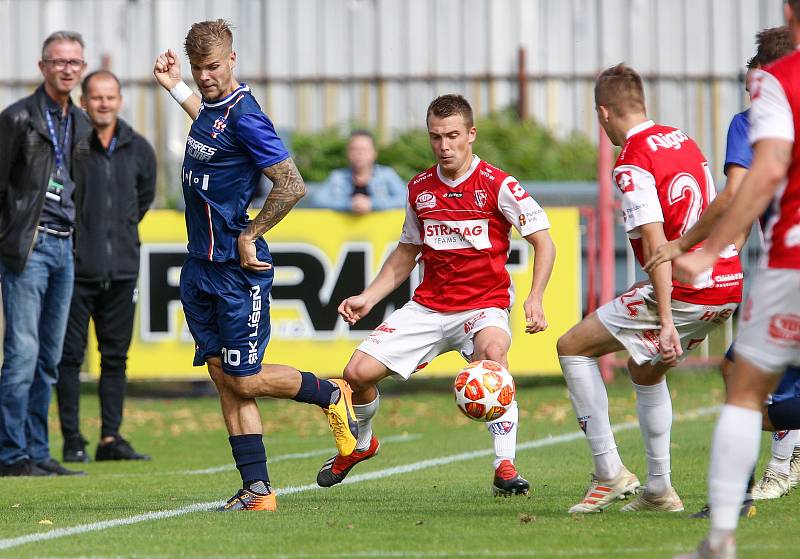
column 639, row 127
column 241, row 89
column 474, row 165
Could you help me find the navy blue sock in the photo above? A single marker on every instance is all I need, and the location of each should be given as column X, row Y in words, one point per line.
column 315, row 390
column 250, row 457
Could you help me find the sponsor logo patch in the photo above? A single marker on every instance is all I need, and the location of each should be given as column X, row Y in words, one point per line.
column 779, row 435
column 501, row 427
column 198, row 150
column 452, row 235
column 672, row 140
column 517, row 191
column 453, row 195
column 425, row 200
column 624, row 181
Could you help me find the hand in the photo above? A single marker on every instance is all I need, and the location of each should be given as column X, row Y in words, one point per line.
column 247, row 255
column 534, row 316
column 360, row 204
column 665, row 253
column 354, row 308
column 669, row 344
column 167, row 69
column 686, row 268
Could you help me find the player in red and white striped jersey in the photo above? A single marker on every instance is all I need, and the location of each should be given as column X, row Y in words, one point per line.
column 769, row 332
column 665, row 186
column 459, row 215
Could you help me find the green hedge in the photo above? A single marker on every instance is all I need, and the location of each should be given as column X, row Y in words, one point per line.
column 523, row 148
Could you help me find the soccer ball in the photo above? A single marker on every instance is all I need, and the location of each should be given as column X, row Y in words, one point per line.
column 484, row 390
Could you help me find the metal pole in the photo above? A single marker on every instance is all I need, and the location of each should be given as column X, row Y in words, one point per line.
column 605, row 210
column 522, row 85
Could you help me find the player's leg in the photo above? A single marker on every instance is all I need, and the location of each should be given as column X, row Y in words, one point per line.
column 765, row 345
column 654, row 409
column 363, row 373
column 782, row 417
column 492, row 340
column 245, row 435
column 578, row 351
column 242, row 314
column 406, row 342
column 242, row 419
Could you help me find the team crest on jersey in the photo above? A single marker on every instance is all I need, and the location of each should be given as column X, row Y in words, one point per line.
column 480, row 198
column 779, row 435
column 426, row 200
column 218, row 127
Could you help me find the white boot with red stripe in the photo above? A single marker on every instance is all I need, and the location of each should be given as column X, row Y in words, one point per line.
column 602, row 493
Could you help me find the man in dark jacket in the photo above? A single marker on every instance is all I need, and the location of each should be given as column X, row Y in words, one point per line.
column 120, row 186
column 43, row 145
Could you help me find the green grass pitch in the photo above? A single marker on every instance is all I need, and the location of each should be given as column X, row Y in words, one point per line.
column 427, row 494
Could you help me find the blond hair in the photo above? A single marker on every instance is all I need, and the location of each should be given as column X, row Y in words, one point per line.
column 205, row 36
column 620, row 89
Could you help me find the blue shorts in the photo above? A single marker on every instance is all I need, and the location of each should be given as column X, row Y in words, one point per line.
column 227, row 310
column 788, row 387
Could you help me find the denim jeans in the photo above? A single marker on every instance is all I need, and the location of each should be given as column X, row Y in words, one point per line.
column 36, row 306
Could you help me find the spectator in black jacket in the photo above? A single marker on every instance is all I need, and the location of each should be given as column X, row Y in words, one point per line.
column 120, row 186
column 43, row 142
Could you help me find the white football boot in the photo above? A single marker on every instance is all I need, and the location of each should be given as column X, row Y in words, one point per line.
column 644, row 501
column 772, row 486
column 794, row 468
column 726, row 551
column 603, row 492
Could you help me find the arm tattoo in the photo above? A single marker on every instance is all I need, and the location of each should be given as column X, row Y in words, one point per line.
column 287, row 189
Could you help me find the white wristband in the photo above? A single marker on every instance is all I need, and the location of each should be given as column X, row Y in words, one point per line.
column 181, row 92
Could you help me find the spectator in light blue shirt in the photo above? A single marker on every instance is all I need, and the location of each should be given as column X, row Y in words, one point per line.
column 363, row 187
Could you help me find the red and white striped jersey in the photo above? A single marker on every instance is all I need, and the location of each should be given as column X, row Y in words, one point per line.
column 775, row 94
column 664, row 177
column 464, row 227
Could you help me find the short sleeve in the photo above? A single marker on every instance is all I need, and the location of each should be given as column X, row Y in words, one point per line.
column 519, row 209
column 640, row 203
column 258, row 137
column 770, row 113
column 412, row 234
column 737, row 148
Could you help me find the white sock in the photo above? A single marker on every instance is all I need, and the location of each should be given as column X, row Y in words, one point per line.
column 504, row 433
column 364, row 414
column 734, row 452
column 654, row 406
column 590, row 402
column 783, row 443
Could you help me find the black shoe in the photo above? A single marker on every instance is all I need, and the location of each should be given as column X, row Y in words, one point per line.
column 507, row 481
column 748, row 510
column 75, row 450
column 118, row 449
column 23, row 468
column 55, row 468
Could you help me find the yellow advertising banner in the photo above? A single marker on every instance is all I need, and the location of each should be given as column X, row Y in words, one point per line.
column 322, row 257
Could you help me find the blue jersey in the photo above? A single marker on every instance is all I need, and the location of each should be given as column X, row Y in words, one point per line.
column 229, row 145
column 738, row 150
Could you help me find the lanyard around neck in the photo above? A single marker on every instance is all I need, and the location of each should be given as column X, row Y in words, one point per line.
column 58, row 146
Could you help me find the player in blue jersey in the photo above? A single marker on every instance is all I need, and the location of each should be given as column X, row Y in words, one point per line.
column 782, row 414
column 226, row 280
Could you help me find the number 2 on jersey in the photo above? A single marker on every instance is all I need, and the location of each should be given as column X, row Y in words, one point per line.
column 685, row 185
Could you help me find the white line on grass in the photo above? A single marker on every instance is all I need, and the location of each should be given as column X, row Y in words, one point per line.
column 9, row 543
column 299, row 455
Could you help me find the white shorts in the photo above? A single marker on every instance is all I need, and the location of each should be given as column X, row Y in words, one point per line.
column 632, row 318
column 414, row 335
column 769, row 331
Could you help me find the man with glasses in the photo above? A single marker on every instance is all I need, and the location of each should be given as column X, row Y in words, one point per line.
column 42, row 149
